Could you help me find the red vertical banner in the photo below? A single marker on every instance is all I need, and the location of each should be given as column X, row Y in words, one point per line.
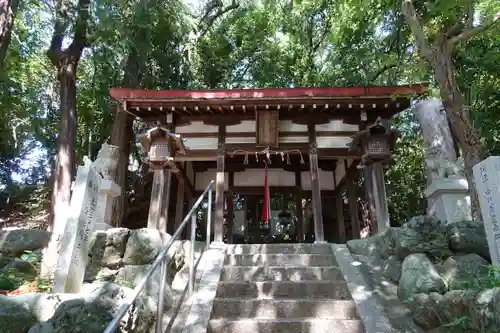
column 266, row 209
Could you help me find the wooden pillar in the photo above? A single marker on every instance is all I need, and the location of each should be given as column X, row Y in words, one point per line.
column 319, row 235
column 219, row 195
column 230, row 208
column 339, row 203
column 160, row 197
column 352, row 200
column 298, row 205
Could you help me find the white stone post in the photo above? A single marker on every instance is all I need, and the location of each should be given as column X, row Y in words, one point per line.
column 108, row 191
column 449, row 199
column 72, row 260
column 487, row 179
column 87, row 207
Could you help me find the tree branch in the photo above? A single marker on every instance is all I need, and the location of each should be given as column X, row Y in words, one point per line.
column 471, row 32
column 411, row 18
column 208, row 20
column 382, row 71
column 80, row 38
column 60, row 25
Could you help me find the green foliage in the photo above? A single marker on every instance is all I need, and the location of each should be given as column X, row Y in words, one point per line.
column 406, row 172
column 169, row 45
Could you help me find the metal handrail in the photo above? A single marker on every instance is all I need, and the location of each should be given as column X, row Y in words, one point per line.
column 161, row 259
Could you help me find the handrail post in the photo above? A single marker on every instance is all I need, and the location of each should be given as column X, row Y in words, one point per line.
column 161, row 296
column 161, row 260
column 191, row 255
column 209, row 217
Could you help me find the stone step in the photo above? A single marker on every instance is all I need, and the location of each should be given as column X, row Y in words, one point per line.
column 279, row 249
column 283, row 308
column 278, row 273
column 273, row 289
column 295, row 325
column 284, row 260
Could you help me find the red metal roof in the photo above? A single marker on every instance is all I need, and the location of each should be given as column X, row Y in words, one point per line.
column 124, row 94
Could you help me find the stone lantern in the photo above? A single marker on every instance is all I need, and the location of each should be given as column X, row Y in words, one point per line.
column 375, row 144
column 159, row 142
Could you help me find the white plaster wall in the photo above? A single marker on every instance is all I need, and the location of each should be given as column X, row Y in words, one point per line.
column 241, row 140
column 337, row 126
column 289, row 126
column 196, row 127
column 203, row 178
column 244, row 126
column 255, row 177
column 325, row 180
column 333, row 141
column 293, row 139
column 201, row 143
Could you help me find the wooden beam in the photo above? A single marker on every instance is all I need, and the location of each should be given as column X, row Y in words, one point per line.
column 230, row 208
column 298, row 205
column 315, row 187
column 339, row 203
column 219, row 188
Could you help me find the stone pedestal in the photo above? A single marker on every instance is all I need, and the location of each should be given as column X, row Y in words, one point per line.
column 487, row 181
column 108, row 191
column 449, row 200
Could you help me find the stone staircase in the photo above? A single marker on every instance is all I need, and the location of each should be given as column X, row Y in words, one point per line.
column 282, row 288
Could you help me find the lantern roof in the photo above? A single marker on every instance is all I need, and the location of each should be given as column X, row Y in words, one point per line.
column 376, row 129
column 159, row 132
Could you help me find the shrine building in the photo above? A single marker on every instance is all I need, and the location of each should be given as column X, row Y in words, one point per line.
column 312, row 146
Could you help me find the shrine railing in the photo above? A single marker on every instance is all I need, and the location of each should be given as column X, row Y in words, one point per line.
column 161, row 260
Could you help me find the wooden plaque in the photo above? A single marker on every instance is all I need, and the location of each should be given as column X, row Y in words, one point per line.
column 267, row 128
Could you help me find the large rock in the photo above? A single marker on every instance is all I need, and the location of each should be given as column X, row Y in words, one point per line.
column 464, row 271
column 418, row 275
column 392, row 269
column 93, row 310
column 15, row 317
column 132, row 275
column 486, row 311
column 422, row 234
column 380, row 245
column 143, row 246
column 20, row 240
column 425, row 309
column 434, row 310
column 468, row 237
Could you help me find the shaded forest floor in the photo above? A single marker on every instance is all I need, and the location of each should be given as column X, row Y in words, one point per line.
column 25, row 207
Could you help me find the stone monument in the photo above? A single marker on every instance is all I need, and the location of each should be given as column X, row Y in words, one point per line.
column 487, row 179
column 90, row 206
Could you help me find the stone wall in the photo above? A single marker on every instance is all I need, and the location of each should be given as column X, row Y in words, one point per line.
column 118, row 259
column 442, row 273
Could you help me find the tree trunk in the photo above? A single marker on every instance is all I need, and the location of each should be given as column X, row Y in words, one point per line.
column 460, row 123
column 8, row 10
column 66, row 142
column 435, row 131
column 122, row 135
